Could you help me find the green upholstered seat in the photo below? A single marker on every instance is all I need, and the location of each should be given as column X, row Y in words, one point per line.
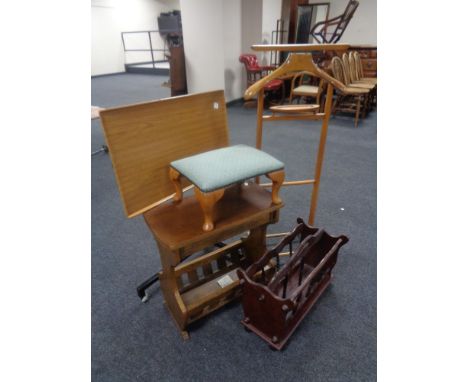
column 220, row 168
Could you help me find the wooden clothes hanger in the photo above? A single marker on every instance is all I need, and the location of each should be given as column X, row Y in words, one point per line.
column 296, row 62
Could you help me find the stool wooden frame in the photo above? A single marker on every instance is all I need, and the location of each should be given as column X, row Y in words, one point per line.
column 207, row 200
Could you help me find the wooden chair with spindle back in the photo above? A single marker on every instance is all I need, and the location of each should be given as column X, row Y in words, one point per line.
column 301, row 89
column 353, row 99
column 360, row 70
column 355, row 67
column 350, row 71
column 354, row 72
column 354, row 56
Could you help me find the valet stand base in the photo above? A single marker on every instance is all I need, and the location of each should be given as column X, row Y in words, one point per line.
column 194, row 283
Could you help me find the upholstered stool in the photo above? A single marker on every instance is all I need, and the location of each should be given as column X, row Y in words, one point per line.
column 213, row 171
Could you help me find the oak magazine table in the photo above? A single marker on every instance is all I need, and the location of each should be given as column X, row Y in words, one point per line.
column 143, row 140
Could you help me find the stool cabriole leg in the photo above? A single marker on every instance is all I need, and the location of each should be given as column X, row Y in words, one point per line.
column 277, row 179
column 174, row 176
column 207, row 200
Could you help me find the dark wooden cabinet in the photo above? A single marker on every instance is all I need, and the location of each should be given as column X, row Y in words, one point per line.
column 368, row 55
column 177, row 70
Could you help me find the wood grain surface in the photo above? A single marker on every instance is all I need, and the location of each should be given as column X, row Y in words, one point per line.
column 144, row 138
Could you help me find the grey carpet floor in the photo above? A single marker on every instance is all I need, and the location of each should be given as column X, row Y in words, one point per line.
column 132, row 341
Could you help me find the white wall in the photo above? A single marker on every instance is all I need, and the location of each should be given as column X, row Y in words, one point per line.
column 111, row 17
column 234, row 82
column 216, row 32
column 251, row 31
column 271, row 12
column 362, row 29
column 202, row 25
column 106, row 47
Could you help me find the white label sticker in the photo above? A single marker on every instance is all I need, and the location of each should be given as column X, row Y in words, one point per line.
column 215, row 105
column 225, row 281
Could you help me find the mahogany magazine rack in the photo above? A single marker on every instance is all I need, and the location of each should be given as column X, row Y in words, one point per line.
column 276, row 302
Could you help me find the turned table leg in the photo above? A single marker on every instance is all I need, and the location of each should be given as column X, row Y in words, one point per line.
column 207, row 200
column 174, row 175
column 277, row 179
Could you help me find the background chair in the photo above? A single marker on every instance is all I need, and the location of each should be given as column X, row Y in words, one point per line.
column 301, row 87
column 353, row 72
column 352, row 80
column 360, row 70
column 359, row 81
column 255, row 72
column 354, row 100
column 331, row 30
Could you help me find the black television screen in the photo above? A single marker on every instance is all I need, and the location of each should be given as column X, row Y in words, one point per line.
column 169, row 24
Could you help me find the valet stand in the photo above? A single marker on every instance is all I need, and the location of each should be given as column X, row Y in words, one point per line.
column 299, row 60
column 143, row 140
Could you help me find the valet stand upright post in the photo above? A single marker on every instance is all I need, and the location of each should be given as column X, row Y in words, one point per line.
column 143, row 140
